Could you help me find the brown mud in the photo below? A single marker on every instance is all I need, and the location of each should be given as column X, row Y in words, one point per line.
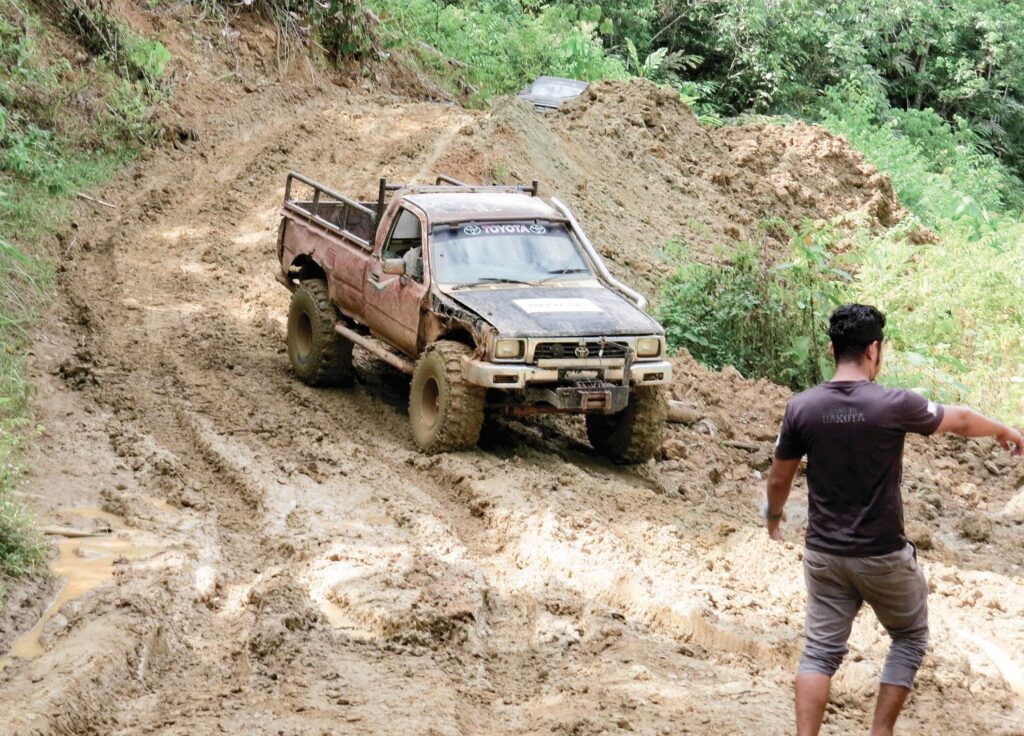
column 645, row 172
column 311, row 573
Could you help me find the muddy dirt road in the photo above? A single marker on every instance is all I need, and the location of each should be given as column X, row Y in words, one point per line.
column 281, row 561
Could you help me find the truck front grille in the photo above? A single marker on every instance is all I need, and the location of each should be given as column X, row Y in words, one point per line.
column 590, row 350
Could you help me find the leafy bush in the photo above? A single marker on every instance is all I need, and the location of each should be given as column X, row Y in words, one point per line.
column 956, row 327
column 496, row 46
column 134, row 56
column 346, row 30
column 956, row 324
column 939, row 171
column 961, row 59
column 20, row 547
column 767, row 321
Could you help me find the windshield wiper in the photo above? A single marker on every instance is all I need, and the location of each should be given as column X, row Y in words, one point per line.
column 492, row 280
column 561, row 272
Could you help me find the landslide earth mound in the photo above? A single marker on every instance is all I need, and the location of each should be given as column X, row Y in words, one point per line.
column 642, row 170
column 292, row 565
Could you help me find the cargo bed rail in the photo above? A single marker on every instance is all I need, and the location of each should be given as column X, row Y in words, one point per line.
column 332, row 211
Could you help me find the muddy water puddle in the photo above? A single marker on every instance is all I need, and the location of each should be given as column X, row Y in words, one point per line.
column 83, row 563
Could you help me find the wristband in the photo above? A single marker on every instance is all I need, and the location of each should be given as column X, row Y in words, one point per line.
column 769, row 516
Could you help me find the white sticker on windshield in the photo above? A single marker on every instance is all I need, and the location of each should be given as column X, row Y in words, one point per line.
column 507, row 228
column 538, row 306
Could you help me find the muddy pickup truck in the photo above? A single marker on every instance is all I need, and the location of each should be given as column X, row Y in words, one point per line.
column 490, row 298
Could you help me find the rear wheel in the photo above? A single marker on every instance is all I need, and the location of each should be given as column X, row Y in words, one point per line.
column 445, row 411
column 319, row 355
column 634, row 434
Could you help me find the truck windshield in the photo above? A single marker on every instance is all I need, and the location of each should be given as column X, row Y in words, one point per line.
column 509, row 252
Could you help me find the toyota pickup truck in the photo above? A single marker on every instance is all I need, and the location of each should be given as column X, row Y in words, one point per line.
column 492, row 299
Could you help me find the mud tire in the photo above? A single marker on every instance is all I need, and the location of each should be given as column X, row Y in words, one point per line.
column 445, row 411
column 635, row 433
column 319, row 355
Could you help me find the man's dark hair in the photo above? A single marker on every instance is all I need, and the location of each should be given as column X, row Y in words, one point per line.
column 852, row 327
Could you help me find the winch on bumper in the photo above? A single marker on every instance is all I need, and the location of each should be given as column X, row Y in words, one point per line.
column 580, row 386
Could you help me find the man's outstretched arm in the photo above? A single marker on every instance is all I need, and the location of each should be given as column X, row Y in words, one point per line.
column 780, row 481
column 966, row 422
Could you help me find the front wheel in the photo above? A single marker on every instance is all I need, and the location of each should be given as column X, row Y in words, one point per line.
column 446, row 412
column 634, row 434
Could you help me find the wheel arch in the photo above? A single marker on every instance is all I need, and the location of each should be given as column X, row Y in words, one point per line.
column 304, row 267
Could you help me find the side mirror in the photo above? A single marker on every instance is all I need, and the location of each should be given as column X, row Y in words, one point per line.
column 394, row 266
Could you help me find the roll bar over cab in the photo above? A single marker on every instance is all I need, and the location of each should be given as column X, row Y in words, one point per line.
column 488, row 296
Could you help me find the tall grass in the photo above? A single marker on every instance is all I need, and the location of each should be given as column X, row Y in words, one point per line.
column 20, row 285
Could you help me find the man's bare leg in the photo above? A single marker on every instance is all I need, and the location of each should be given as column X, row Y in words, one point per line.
column 811, row 698
column 890, row 702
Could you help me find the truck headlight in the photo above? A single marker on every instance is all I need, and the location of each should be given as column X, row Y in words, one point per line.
column 507, row 349
column 648, row 347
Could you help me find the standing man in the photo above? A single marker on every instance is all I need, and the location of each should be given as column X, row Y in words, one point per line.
column 852, row 431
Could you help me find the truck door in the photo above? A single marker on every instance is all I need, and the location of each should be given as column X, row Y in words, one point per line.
column 393, row 302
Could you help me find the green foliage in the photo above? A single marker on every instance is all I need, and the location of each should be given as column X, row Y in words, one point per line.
column 21, row 283
column 953, row 298
column 962, row 59
column 940, row 172
column 345, row 30
column 133, row 56
column 957, row 327
column 767, row 321
column 660, row 65
column 47, row 154
column 20, row 548
column 496, row 46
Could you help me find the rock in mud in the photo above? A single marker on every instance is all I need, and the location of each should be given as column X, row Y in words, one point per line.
column 680, row 413
column 975, row 527
column 674, row 449
column 1014, row 509
column 920, row 535
column 206, row 581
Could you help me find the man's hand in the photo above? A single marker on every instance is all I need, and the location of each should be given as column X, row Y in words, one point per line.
column 775, row 528
column 1011, row 440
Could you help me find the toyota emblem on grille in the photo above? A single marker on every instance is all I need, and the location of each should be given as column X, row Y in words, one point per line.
column 582, row 351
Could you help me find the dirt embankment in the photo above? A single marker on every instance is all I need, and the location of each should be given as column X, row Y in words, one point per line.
column 292, row 565
column 645, row 172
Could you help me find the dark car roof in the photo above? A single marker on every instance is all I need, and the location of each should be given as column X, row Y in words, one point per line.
column 482, row 206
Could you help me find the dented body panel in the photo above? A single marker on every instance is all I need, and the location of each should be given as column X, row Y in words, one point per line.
column 587, row 309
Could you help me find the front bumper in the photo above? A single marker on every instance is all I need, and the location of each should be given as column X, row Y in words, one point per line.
column 518, row 375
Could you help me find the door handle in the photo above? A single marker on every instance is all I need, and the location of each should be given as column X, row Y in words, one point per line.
column 374, row 276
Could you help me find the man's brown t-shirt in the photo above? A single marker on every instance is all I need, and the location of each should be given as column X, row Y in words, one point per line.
column 853, row 433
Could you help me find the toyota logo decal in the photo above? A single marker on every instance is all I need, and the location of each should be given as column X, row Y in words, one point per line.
column 538, row 229
column 582, row 351
column 471, row 229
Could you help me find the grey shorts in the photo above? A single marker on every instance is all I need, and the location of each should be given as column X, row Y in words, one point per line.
column 895, row 588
